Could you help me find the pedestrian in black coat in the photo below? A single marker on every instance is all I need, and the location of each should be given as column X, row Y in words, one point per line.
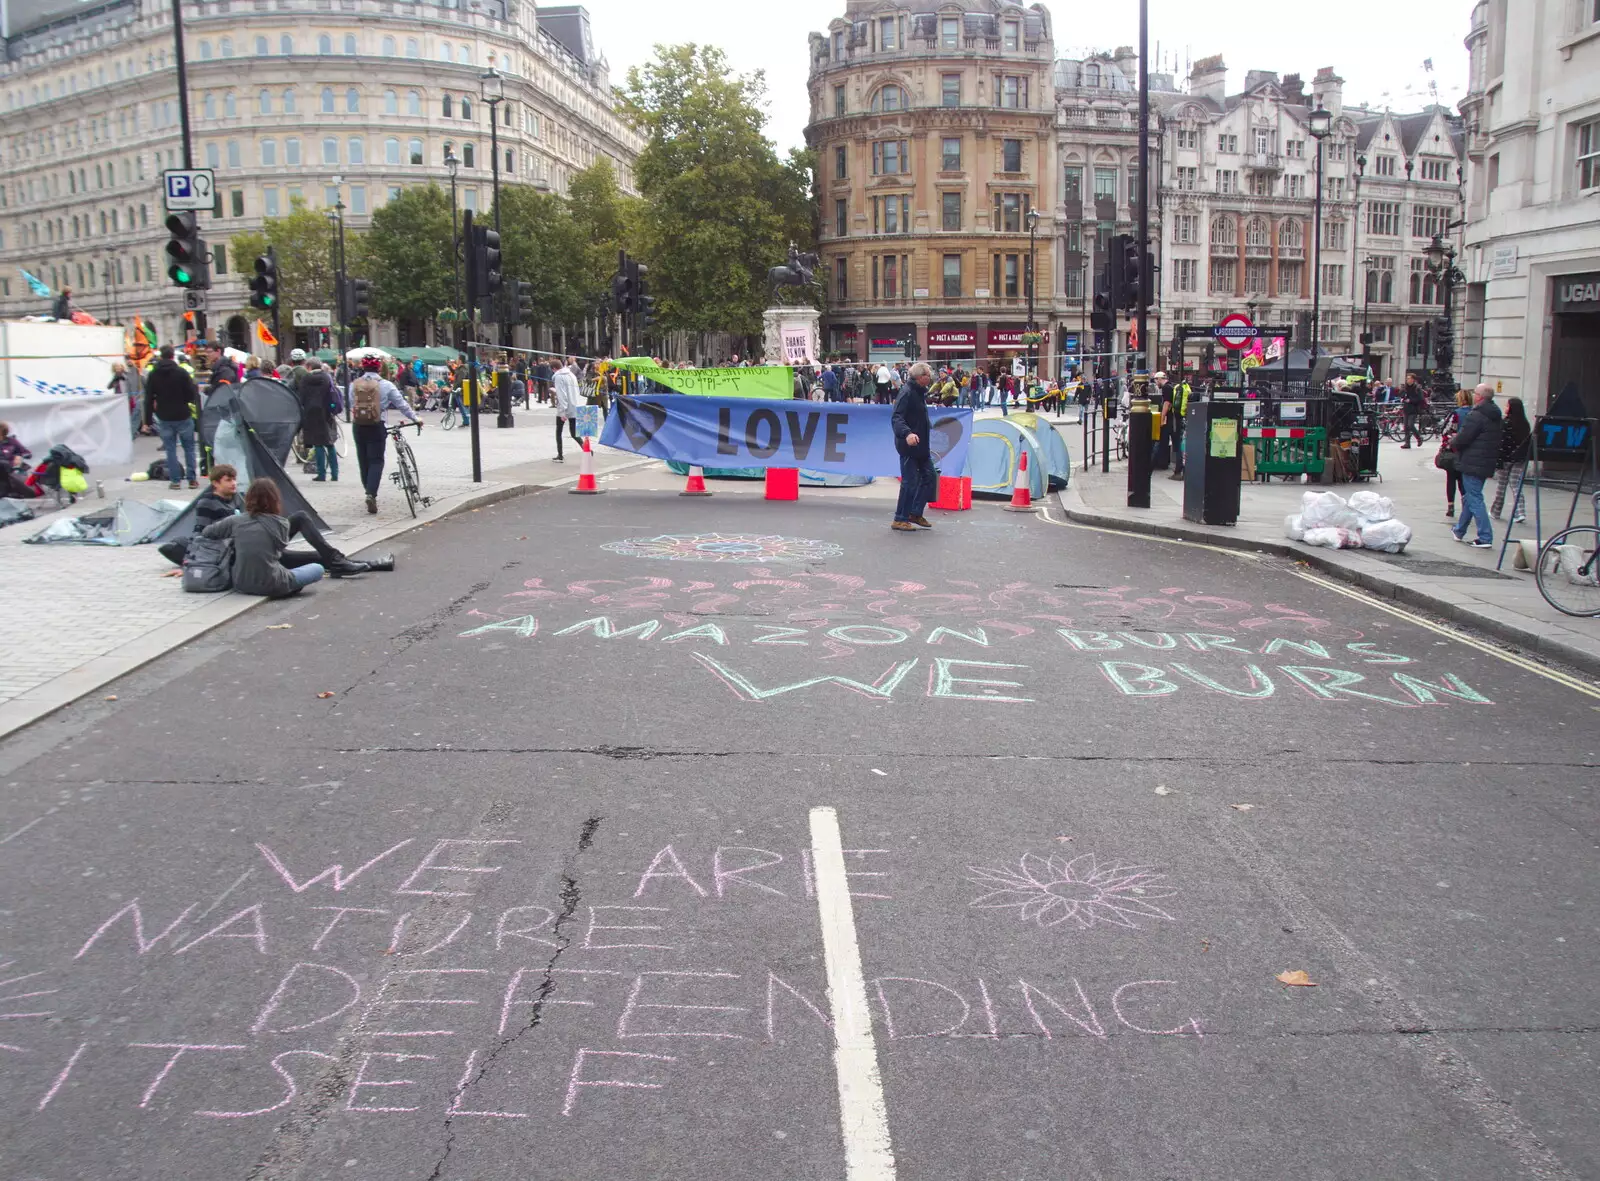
column 1477, row 448
column 918, row 479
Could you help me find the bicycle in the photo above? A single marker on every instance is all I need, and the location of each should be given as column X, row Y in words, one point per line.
column 405, row 473
column 1568, row 570
column 450, row 403
column 341, row 443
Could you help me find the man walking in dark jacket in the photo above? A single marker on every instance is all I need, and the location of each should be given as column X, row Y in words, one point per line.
column 172, row 400
column 918, row 480
column 1477, row 448
column 1413, row 401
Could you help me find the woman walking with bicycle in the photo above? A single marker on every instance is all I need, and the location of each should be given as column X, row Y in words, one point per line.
column 370, row 397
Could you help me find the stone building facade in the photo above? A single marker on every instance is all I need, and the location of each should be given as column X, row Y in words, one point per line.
column 299, row 99
column 932, row 129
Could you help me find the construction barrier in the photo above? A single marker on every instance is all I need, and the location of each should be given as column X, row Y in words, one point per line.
column 696, row 484
column 1288, row 451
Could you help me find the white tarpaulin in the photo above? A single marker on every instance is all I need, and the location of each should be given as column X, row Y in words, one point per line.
column 56, row 354
column 95, row 427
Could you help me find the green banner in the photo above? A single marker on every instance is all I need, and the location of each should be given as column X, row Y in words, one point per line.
column 756, row 381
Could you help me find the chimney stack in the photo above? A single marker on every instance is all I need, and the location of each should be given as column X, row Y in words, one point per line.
column 1209, row 79
column 1327, row 91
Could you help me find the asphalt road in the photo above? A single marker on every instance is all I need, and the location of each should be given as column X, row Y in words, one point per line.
column 546, row 887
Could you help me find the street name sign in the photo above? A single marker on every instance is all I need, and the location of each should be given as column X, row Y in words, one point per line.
column 313, row 318
column 190, row 188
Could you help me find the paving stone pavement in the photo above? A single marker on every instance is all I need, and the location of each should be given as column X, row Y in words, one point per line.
column 74, row 608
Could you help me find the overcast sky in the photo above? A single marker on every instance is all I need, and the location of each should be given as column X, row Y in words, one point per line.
column 1377, row 46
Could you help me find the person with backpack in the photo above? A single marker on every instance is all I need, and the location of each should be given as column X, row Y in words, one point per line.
column 370, row 397
column 319, row 404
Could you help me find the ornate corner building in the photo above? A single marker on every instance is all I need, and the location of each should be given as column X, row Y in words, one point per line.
column 932, row 129
column 288, row 100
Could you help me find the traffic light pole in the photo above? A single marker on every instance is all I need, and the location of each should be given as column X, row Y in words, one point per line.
column 183, row 116
column 277, row 326
column 1145, row 279
column 471, row 253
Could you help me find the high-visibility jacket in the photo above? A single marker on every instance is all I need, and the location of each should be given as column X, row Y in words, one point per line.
column 1180, row 397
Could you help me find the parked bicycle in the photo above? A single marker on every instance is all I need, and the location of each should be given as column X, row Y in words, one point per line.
column 341, row 443
column 1430, row 423
column 405, row 469
column 1568, row 571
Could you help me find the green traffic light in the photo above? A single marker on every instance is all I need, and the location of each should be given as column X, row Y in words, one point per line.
column 269, row 300
column 180, row 276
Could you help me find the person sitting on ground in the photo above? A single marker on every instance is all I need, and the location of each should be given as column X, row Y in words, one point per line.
column 14, row 465
column 262, row 562
column 220, row 500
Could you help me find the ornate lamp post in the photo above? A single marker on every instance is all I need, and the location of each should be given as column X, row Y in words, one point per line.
column 1441, row 257
column 1320, row 125
column 453, row 165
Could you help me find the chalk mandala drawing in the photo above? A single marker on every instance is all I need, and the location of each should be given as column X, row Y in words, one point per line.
column 740, row 548
column 1053, row 890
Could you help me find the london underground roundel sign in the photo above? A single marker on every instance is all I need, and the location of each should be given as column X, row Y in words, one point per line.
column 1235, row 330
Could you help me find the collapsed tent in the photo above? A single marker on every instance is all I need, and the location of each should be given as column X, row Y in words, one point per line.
column 269, row 406
column 242, row 446
column 807, row 476
column 127, row 522
column 998, row 445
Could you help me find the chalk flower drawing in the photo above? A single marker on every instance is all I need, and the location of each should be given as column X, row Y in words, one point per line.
column 743, row 548
column 1086, row 890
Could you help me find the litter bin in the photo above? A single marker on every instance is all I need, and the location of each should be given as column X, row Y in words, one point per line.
column 1212, row 438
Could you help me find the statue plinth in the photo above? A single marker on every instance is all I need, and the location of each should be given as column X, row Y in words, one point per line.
column 790, row 335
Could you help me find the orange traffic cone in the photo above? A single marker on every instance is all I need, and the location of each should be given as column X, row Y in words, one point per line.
column 697, row 483
column 1021, row 491
column 586, row 484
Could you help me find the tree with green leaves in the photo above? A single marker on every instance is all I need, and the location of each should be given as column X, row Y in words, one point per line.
column 407, row 256
column 304, row 243
column 603, row 214
column 541, row 244
column 719, row 206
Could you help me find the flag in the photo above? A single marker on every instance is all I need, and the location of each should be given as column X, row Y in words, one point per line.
column 149, row 332
column 34, row 285
column 265, row 337
column 1275, row 349
column 1133, row 335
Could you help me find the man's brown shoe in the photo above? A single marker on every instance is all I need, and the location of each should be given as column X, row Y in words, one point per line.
column 904, row 526
column 923, row 521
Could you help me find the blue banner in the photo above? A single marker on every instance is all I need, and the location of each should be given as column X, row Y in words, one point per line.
column 842, row 437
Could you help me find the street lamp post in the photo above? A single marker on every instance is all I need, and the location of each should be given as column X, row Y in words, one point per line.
column 492, row 90
column 1320, row 124
column 1441, row 258
column 111, row 283
column 1366, row 300
column 340, row 284
column 452, row 165
column 1033, row 226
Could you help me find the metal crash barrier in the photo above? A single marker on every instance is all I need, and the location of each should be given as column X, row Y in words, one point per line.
column 1288, row 451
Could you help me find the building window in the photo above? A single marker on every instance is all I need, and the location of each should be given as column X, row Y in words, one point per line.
column 330, row 150
column 838, row 47
column 891, row 276
column 1105, row 184
column 213, row 156
column 891, row 215
column 286, row 45
column 1291, row 239
column 388, row 47
column 890, row 156
column 469, row 155
column 889, row 98
column 1072, row 183
column 886, row 31
column 1010, row 210
column 352, row 101
column 415, row 151
column 1380, row 280
column 1257, row 238
column 841, row 217
column 951, row 211
column 1336, row 151
column 413, row 48
column 1188, row 137
column 1295, row 149
column 1425, row 287
column 1186, row 229
column 413, row 103
column 1007, row 268
column 466, row 108
column 330, row 195
column 1185, row 274
column 1223, row 273
column 219, row 260
column 1188, row 179
column 952, row 276
column 1335, row 188
column 236, row 202
column 355, row 152
column 1227, row 181
column 1228, row 144
column 327, row 100
column 324, row 44
column 950, row 32
column 205, row 52
column 1435, row 170
column 950, row 90
column 1289, row 278
column 841, row 164
column 1013, row 91
column 469, row 199
column 841, row 279
column 391, row 151
column 233, row 153
column 1255, row 276
column 1294, row 185
column 264, row 102
column 1133, row 186
column 288, row 102
column 208, row 107
column 1011, row 155
column 230, row 108
column 838, row 100
column 950, row 156
column 1588, row 151
column 291, row 152
column 1332, row 327
column 1428, row 220
column 269, row 201
column 1383, row 219
column 269, row 153
column 1224, row 234
column 1261, row 184
column 1009, row 35
column 1333, row 278
column 1383, row 165
column 1334, row 235
column 261, row 47
column 358, row 199
column 350, row 43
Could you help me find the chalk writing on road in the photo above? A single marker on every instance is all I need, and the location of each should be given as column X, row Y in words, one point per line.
column 1084, row 890
column 741, row 548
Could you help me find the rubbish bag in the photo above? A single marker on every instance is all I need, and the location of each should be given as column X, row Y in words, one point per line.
column 1326, row 510
column 74, row 481
column 1371, row 507
column 1332, row 537
column 1570, row 560
column 1390, row 536
column 1294, row 528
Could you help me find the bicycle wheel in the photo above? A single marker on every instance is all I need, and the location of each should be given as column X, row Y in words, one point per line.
column 341, row 441
column 406, row 475
column 1567, row 571
column 302, row 453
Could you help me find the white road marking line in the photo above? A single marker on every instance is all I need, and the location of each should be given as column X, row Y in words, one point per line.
column 865, row 1122
column 23, row 829
column 1451, row 633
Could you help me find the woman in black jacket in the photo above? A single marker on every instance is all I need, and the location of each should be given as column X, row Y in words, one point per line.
column 319, row 402
column 1514, row 442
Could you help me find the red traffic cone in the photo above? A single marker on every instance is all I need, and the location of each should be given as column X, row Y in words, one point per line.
column 1021, row 491
column 697, row 483
column 586, row 484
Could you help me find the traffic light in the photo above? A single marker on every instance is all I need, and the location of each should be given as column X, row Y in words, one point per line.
column 1135, row 275
column 524, row 302
column 360, row 299
column 341, row 301
column 264, row 287
column 647, row 312
column 486, row 255
column 1103, row 318
column 187, row 263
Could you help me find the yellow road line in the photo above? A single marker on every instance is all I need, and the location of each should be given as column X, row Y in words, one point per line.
column 1451, row 633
